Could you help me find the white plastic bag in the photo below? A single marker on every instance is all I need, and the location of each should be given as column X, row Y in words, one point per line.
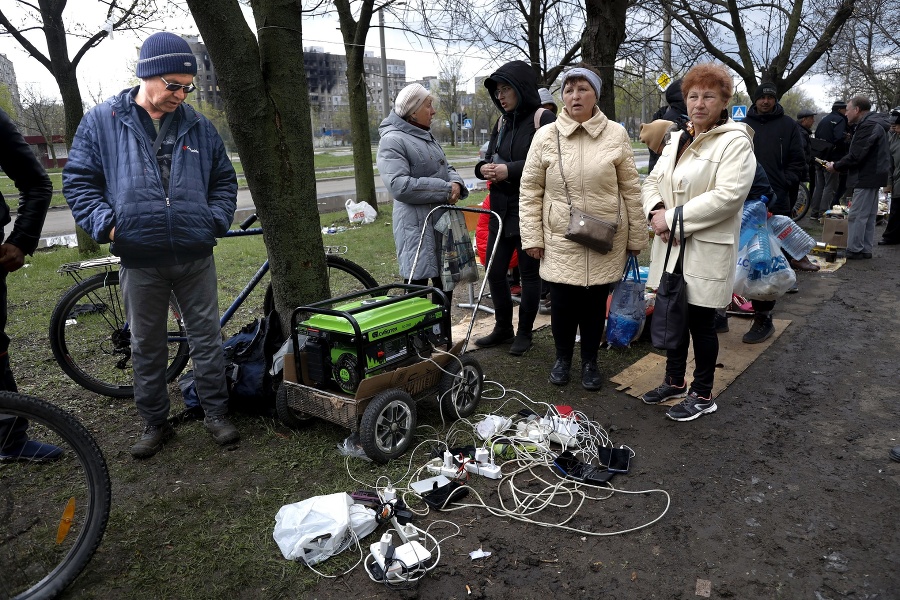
column 766, row 284
column 360, row 212
column 320, row 527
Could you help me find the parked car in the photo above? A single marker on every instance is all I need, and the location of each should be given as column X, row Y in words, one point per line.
column 483, row 150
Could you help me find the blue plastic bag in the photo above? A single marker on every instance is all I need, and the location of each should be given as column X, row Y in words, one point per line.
column 627, row 310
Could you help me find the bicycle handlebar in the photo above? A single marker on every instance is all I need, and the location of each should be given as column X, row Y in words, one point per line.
column 248, row 221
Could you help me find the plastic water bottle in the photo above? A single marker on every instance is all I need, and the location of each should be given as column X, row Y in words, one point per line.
column 755, row 235
column 793, row 239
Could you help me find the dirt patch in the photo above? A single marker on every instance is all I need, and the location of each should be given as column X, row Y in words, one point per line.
column 785, row 492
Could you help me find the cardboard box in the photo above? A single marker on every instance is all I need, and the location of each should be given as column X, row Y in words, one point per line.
column 834, row 232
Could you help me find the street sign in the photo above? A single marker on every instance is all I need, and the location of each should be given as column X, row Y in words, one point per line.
column 454, row 118
column 467, row 123
column 738, row 112
column 663, row 81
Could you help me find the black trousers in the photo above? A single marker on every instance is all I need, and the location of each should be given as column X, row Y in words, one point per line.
column 531, row 283
column 702, row 329
column 892, row 231
column 575, row 307
column 12, row 429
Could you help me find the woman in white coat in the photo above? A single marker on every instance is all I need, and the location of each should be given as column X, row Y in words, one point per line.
column 707, row 168
column 586, row 160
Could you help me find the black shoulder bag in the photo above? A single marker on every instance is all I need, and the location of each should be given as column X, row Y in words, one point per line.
column 670, row 318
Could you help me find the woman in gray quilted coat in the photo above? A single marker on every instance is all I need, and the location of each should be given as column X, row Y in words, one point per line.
column 415, row 171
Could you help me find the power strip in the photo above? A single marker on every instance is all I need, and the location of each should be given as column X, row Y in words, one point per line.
column 484, row 469
column 400, row 559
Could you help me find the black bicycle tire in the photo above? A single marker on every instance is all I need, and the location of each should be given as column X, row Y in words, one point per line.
column 796, row 216
column 331, row 262
column 99, row 487
column 63, row 355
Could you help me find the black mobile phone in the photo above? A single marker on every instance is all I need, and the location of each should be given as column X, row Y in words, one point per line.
column 616, row 459
column 572, row 468
column 619, row 460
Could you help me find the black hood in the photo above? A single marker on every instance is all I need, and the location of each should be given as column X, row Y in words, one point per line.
column 523, row 79
column 776, row 113
column 674, row 97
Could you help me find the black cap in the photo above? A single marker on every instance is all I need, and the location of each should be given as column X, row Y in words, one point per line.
column 766, row 89
column 839, row 105
column 806, row 113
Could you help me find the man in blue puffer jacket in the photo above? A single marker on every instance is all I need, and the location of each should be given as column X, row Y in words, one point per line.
column 150, row 175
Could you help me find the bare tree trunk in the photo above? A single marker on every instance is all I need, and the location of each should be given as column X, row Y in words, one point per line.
column 269, row 120
column 604, row 32
column 354, row 33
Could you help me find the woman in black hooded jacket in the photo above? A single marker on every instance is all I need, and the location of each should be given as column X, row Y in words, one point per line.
column 513, row 88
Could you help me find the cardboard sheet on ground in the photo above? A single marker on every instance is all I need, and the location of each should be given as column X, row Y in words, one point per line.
column 824, row 265
column 734, row 357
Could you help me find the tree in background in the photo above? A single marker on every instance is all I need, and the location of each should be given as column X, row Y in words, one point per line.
column 604, row 32
column 779, row 39
column 44, row 115
column 543, row 33
column 46, row 16
column 448, row 94
column 260, row 71
column 867, row 55
column 6, row 102
column 354, row 32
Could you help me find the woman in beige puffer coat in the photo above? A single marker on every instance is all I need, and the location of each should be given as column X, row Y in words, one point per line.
column 600, row 179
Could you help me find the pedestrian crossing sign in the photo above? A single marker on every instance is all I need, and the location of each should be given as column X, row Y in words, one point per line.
column 739, row 112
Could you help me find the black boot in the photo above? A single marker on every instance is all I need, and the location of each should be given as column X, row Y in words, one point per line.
column 559, row 374
column 521, row 344
column 761, row 330
column 591, row 379
column 500, row 335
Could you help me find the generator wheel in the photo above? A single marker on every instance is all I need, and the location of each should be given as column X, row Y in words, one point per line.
column 387, row 425
column 289, row 416
column 460, row 388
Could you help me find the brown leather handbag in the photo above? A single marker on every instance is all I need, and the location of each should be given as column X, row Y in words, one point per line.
column 584, row 228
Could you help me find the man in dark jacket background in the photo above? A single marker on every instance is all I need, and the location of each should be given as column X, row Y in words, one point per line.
column 35, row 189
column 513, row 88
column 868, row 164
column 149, row 174
column 831, row 130
column 778, row 146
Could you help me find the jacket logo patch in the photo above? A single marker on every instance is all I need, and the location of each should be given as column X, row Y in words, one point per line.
column 189, row 149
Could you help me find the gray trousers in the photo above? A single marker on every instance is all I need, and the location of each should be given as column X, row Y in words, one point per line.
column 146, row 292
column 826, row 187
column 861, row 220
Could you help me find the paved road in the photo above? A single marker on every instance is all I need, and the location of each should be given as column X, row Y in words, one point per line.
column 332, row 193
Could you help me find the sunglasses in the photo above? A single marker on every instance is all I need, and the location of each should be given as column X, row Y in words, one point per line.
column 174, row 87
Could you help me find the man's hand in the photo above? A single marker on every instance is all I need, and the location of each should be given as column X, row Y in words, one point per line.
column 536, row 253
column 11, row 258
column 112, row 234
column 495, row 172
column 455, row 191
column 829, row 166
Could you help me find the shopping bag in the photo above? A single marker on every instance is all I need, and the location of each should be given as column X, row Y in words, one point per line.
column 768, row 283
column 627, row 309
column 360, row 212
column 457, row 254
column 670, row 320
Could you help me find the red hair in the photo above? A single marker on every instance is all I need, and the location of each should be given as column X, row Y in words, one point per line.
column 708, row 75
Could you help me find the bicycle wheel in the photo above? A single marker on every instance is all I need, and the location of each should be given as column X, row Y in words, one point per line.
column 91, row 340
column 52, row 514
column 801, row 206
column 344, row 277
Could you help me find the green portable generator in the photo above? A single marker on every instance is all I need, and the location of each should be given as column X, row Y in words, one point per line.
column 369, row 333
